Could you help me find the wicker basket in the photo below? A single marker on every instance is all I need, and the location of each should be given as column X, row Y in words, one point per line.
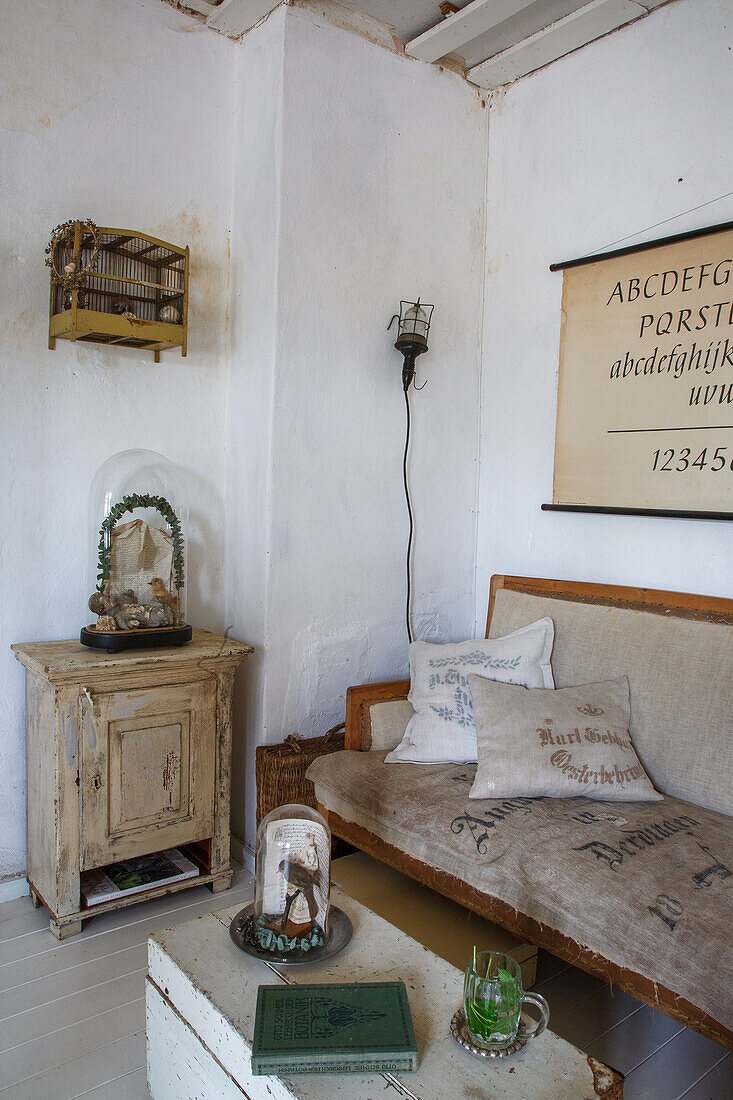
column 280, row 769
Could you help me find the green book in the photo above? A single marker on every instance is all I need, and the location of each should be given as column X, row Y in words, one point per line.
column 351, row 1028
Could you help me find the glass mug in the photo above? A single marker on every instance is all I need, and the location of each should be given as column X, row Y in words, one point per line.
column 493, row 999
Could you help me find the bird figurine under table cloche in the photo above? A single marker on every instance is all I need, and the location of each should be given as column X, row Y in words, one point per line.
column 291, row 919
column 292, row 881
column 138, row 516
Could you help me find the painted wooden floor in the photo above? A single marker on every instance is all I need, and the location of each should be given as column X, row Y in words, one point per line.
column 660, row 1059
column 72, row 1014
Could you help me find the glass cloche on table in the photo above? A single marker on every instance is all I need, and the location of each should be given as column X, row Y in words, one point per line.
column 138, row 519
column 291, row 919
column 292, row 880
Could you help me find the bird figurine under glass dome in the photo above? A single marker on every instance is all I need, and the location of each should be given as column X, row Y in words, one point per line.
column 292, row 880
column 138, row 519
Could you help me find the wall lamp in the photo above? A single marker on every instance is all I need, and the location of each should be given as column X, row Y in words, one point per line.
column 413, row 326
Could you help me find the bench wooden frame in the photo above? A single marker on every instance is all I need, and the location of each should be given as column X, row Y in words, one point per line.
column 358, row 737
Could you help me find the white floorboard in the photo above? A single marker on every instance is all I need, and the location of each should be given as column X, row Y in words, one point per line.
column 48, row 989
column 130, row 1086
column 11, row 909
column 60, row 1048
column 74, row 1008
column 72, row 1014
column 25, row 922
column 25, row 958
column 660, row 1059
column 716, row 1084
column 82, row 1076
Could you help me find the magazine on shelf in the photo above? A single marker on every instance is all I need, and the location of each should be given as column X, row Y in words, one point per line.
column 132, row 876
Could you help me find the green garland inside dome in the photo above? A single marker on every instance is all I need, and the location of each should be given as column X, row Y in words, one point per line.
column 128, row 504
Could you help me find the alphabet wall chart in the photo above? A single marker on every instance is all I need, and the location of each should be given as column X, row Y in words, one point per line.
column 645, row 391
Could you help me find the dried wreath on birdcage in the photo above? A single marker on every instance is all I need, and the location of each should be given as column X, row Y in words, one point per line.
column 73, row 276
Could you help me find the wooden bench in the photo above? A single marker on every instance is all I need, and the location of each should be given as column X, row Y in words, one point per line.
column 677, row 650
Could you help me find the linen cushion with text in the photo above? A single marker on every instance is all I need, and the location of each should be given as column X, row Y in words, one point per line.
column 442, row 729
column 558, row 744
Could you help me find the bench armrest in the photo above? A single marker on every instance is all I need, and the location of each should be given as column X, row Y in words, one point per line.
column 358, row 701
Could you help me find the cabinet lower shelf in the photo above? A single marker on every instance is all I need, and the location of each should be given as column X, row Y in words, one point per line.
column 70, row 924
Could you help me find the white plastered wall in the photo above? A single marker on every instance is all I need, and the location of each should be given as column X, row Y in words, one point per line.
column 357, row 177
column 121, row 113
column 617, row 137
column 379, row 165
column 254, row 312
column 328, row 166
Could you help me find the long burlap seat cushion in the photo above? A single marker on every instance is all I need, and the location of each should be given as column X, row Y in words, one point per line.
column 645, row 885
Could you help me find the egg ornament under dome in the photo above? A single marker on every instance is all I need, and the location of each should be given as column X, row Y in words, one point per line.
column 138, row 520
column 292, row 882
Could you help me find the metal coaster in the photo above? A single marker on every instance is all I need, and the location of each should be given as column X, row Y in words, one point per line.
column 341, row 931
column 459, row 1031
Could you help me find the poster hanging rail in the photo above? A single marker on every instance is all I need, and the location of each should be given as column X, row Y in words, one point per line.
column 665, row 513
column 689, row 236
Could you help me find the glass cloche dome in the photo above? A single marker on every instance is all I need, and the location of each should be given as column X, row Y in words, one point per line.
column 138, row 521
column 292, row 882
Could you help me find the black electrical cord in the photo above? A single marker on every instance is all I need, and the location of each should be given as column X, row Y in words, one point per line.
column 409, row 512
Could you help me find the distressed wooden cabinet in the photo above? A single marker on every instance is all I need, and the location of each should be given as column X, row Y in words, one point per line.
column 126, row 754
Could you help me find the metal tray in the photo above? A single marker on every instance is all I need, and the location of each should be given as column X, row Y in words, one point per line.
column 340, row 934
column 459, row 1031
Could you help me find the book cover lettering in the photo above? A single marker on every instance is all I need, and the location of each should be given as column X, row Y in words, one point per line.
column 357, row 1027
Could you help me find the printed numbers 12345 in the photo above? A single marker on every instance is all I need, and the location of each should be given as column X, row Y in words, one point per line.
column 680, row 460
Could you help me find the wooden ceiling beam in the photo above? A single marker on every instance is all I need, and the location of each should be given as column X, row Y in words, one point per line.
column 455, row 31
column 234, row 17
column 203, row 7
column 560, row 38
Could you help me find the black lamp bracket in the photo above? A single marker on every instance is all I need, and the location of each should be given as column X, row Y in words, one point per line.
column 410, row 349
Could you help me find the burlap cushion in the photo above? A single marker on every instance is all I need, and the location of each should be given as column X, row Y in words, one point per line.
column 681, row 677
column 442, row 729
column 388, row 723
column 558, row 744
column 643, row 884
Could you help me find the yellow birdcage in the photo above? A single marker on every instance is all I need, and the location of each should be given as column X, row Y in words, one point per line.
column 117, row 286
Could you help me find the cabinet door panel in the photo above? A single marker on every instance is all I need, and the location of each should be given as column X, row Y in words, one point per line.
column 148, row 765
column 148, row 770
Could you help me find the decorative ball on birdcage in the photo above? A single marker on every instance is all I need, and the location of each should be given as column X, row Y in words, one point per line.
column 169, row 314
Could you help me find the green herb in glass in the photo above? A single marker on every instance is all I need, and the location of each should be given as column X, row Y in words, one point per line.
column 493, row 998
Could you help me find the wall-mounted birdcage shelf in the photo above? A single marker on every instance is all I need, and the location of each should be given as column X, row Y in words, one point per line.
column 133, row 293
